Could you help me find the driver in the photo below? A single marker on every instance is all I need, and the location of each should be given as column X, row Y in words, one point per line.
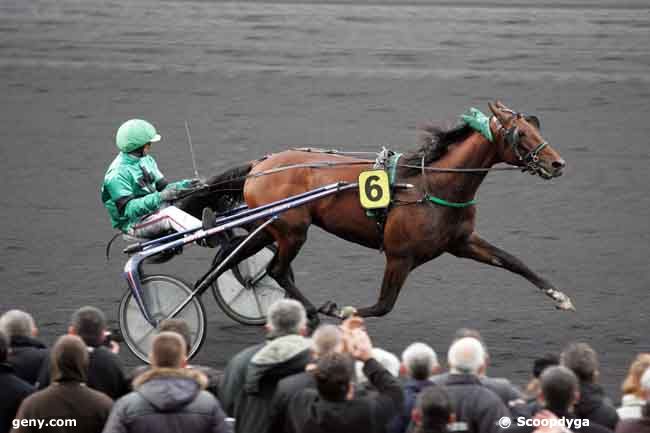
column 136, row 194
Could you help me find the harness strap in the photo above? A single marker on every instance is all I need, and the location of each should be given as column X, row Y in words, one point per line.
column 443, row 202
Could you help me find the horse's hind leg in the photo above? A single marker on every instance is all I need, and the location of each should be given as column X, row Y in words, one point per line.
column 395, row 273
column 288, row 247
column 252, row 247
column 476, row 248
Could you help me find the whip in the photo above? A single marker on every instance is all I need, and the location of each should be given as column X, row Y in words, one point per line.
column 189, row 140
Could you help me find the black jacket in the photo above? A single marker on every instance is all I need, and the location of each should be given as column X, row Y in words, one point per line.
column 28, row 355
column 105, row 373
column 309, row 413
column 475, row 404
column 287, row 388
column 595, row 406
column 13, row 390
column 412, row 388
column 168, row 401
column 501, row 386
column 251, row 377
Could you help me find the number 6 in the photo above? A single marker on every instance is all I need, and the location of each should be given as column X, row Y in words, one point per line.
column 374, row 189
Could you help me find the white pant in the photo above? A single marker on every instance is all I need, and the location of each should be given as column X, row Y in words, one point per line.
column 162, row 222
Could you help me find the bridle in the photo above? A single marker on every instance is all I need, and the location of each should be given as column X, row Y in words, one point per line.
column 512, row 138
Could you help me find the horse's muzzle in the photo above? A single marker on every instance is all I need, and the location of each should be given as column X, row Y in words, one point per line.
column 557, row 167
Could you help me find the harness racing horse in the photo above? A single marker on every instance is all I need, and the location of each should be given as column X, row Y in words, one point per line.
column 416, row 229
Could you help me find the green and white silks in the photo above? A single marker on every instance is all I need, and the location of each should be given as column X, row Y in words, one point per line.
column 132, row 176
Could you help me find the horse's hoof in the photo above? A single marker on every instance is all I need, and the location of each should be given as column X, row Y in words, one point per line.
column 565, row 304
column 347, row 311
column 329, row 308
column 313, row 322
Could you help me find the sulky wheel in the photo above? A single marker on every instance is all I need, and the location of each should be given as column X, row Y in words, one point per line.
column 165, row 293
column 245, row 291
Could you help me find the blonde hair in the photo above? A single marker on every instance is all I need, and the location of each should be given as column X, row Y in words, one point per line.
column 632, row 383
column 168, row 350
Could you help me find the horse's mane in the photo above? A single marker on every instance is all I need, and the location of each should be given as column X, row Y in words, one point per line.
column 433, row 142
column 223, row 189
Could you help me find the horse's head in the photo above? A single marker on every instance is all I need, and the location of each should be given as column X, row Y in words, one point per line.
column 521, row 142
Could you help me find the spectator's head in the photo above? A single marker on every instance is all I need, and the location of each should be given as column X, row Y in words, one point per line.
column 632, row 383
column 466, row 355
column 334, row 374
column 168, row 350
column 89, row 323
column 419, row 361
column 326, row 339
column 433, row 410
column 539, row 365
column 559, row 389
column 582, row 360
column 472, row 333
column 4, row 347
column 178, row 326
column 286, row 317
column 17, row 323
column 387, row 360
column 69, row 359
column 542, row 363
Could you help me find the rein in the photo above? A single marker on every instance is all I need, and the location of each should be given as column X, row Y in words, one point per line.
column 511, row 136
column 369, row 161
column 327, row 164
column 330, row 164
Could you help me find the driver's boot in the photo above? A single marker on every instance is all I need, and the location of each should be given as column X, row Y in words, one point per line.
column 209, row 221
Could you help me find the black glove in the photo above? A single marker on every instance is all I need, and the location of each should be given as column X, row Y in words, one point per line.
column 195, row 183
column 172, row 194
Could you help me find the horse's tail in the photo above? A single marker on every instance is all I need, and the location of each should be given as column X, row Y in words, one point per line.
column 231, row 182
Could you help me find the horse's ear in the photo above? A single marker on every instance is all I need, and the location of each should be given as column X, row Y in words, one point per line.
column 502, row 106
column 494, row 108
column 533, row 120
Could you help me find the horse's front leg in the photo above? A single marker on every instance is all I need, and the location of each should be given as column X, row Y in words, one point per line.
column 395, row 273
column 476, row 248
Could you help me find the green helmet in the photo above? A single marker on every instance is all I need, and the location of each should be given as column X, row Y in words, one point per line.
column 135, row 133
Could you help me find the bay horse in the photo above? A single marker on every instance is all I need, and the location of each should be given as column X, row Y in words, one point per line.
column 415, row 230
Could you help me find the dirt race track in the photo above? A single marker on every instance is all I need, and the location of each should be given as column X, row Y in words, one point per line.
column 254, row 78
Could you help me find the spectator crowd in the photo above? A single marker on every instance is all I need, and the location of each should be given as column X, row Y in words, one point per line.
column 332, row 380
